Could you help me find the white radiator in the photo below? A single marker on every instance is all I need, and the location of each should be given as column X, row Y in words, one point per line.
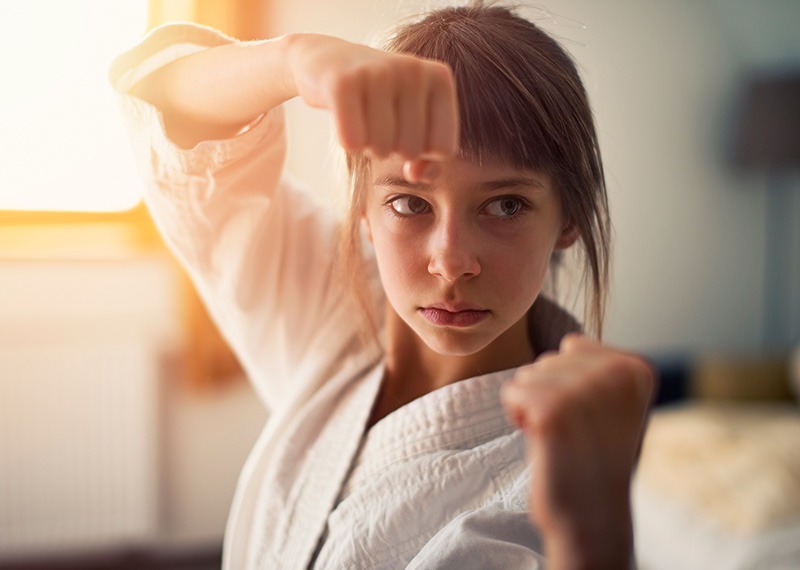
column 80, row 350
column 78, row 446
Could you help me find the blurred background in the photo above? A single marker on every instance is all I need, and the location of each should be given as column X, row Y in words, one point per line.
column 124, row 419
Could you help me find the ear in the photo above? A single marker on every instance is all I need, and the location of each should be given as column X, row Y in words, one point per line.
column 569, row 234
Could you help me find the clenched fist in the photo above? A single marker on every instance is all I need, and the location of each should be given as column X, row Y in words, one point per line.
column 384, row 103
column 583, row 410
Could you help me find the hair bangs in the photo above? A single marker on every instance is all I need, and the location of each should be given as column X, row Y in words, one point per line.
column 505, row 115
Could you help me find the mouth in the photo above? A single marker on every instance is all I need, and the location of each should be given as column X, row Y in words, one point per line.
column 454, row 314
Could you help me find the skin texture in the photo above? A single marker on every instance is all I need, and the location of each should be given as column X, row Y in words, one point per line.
column 475, row 241
column 583, row 408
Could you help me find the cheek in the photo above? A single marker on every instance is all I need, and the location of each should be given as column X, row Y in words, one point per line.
column 519, row 267
column 399, row 258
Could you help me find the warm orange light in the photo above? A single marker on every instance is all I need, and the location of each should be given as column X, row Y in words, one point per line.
column 62, row 140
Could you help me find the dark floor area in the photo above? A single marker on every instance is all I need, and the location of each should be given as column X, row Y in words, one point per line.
column 198, row 559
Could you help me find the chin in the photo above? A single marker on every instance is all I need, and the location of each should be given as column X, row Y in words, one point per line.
column 455, row 343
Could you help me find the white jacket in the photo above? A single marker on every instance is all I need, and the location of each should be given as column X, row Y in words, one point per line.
column 440, row 483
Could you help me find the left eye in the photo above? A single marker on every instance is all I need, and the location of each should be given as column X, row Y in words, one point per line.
column 504, row 207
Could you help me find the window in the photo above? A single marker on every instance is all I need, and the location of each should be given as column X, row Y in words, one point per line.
column 62, row 140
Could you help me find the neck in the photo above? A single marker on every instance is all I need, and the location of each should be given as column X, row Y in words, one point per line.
column 413, row 369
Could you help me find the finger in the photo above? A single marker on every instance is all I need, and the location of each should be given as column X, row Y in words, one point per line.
column 514, row 405
column 349, row 114
column 421, row 170
column 381, row 115
column 573, row 342
column 546, row 369
column 529, row 405
column 412, row 112
column 546, row 356
column 442, row 119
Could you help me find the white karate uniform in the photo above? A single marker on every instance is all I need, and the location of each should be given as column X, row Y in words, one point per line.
column 439, row 483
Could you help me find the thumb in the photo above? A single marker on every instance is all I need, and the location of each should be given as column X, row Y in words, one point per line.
column 422, row 170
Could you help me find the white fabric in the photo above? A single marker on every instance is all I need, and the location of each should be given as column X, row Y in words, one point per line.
column 439, row 483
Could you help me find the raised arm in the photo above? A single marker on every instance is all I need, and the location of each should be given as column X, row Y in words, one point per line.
column 248, row 238
column 381, row 102
column 214, row 93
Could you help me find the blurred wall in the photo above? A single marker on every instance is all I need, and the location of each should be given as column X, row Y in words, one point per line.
column 97, row 415
column 689, row 229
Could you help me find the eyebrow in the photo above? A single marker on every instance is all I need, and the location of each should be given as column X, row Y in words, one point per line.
column 488, row 186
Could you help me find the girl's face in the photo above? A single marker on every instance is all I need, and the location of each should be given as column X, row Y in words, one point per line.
column 463, row 258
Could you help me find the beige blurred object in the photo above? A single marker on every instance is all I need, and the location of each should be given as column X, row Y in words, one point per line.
column 733, row 463
column 741, row 377
column 242, row 19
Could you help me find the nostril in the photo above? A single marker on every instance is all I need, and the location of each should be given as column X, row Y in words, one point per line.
column 453, row 266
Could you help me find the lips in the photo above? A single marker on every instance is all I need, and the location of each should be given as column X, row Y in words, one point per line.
column 454, row 314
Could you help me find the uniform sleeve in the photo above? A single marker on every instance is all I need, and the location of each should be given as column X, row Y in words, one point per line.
column 259, row 251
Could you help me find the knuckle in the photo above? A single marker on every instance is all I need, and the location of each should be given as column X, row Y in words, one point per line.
column 441, row 72
column 545, row 356
column 554, row 418
column 413, row 68
column 344, row 84
column 570, row 342
column 617, row 374
column 381, row 75
column 523, row 375
column 620, row 366
column 631, row 379
column 409, row 149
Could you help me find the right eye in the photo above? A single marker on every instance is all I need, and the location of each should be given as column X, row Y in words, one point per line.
column 409, row 205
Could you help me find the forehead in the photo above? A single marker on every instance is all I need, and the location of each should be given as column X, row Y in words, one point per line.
column 462, row 173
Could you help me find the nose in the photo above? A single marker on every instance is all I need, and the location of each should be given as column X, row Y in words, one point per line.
column 453, row 251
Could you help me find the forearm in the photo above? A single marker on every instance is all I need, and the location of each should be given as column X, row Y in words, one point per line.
column 212, row 94
column 607, row 545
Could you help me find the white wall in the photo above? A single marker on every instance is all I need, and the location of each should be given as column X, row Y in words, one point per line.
column 689, row 250
column 80, row 345
column 206, row 437
column 73, row 414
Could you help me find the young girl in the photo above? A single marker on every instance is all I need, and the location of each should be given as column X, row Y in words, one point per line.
column 399, row 351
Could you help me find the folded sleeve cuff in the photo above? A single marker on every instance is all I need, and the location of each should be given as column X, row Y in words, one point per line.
column 160, row 47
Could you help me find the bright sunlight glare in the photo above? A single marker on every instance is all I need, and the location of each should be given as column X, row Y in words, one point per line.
column 62, row 139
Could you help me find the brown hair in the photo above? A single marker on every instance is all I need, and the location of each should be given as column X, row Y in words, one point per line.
column 521, row 103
